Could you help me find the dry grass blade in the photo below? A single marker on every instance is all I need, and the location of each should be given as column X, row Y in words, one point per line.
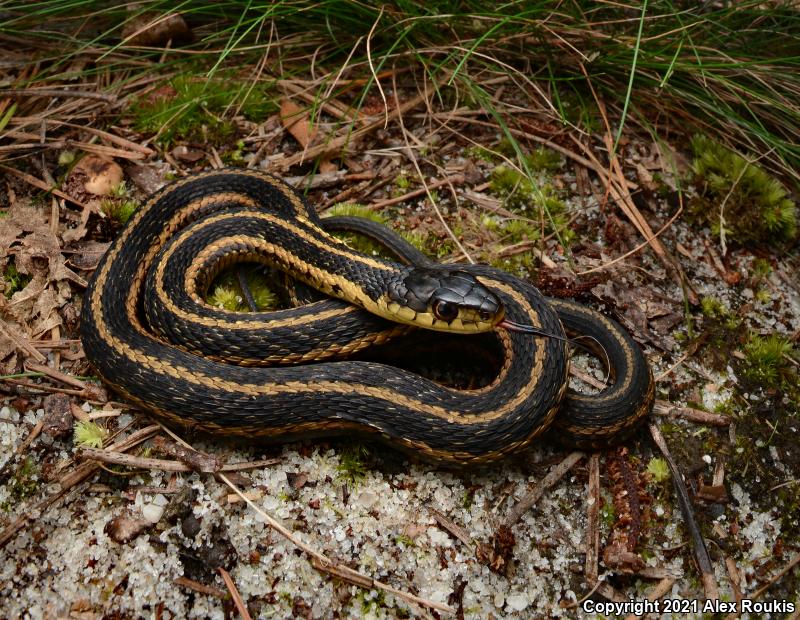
column 237, row 598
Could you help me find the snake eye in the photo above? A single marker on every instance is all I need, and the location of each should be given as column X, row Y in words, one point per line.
column 485, row 315
column 445, row 311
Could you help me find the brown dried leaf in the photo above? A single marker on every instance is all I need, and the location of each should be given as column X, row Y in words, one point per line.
column 88, row 254
column 156, row 30
column 71, row 235
column 147, row 178
column 187, row 155
column 296, row 121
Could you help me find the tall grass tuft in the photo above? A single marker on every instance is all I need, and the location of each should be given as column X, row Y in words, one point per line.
column 727, row 69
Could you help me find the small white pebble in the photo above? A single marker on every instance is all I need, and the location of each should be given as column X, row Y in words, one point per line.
column 707, row 459
column 517, row 602
column 152, row 513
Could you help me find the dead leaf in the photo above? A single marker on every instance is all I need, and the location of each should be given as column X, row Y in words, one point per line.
column 147, row 178
column 187, row 155
column 57, row 415
column 37, row 253
column 645, row 178
column 156, row 30
column 296, row 121
column 79, row 232
column 88, row 254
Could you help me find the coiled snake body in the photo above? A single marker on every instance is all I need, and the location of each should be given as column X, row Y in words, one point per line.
column 287, row 373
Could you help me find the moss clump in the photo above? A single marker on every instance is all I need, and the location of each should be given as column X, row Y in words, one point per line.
column 756, row 206
column 352, row 468
column 767, row 360
column 520, row 195
column 13, row 280
column 23, row 484
column 195, row 107
column 89, row 435
column 359, row 243
column 658, row 470
column 226, row 293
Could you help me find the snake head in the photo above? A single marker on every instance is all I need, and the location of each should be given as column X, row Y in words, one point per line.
column 444, row 300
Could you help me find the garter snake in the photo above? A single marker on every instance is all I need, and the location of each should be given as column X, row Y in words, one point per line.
column 288, row 373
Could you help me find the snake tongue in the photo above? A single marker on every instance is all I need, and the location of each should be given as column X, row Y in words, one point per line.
column 518, row 327
column 529, row 329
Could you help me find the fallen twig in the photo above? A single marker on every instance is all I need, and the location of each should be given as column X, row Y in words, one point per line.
column 535, row 491
column 237, row 598
column 201, row 587
column 57, row 92
column 380, row 204
column 140, row 462
column 593, row 522
column 668, row 410
column 701, row 555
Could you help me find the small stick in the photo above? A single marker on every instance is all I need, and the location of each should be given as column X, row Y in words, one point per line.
column 237, row 598
column 140, row 462
column 322, row 562
column 24, row 344
column 795, row 561
column 535, row 491
column 450, row 526
column 46, row 388
column 78, row 475
column 735, row 579
column 668, row 410
column 201, row 587
column 660, row 589
column 593, row 521
column 701, row 555
column 56, row 92
column 319, row 560
column 57, row 375
column 32, row 180
column 241, row 276
column 380, row 204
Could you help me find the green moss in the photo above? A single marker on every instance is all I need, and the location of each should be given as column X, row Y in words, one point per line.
column 520, row 195
column 544, row 159
column 359, row 243
column 658, row 470
column 352, row 468
column 757, row 207
column 763, row 296
column 608, row 514
column 401, row 185
column 14, row 280
column 404, row 540
column 196, row 108
column 119, row 210
column 481, row 153
column 766, row 359
column 226, row 292
column 354, row 209
column 713, row 308
column 23, row 484
column 89, row 435
column 761, row 268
